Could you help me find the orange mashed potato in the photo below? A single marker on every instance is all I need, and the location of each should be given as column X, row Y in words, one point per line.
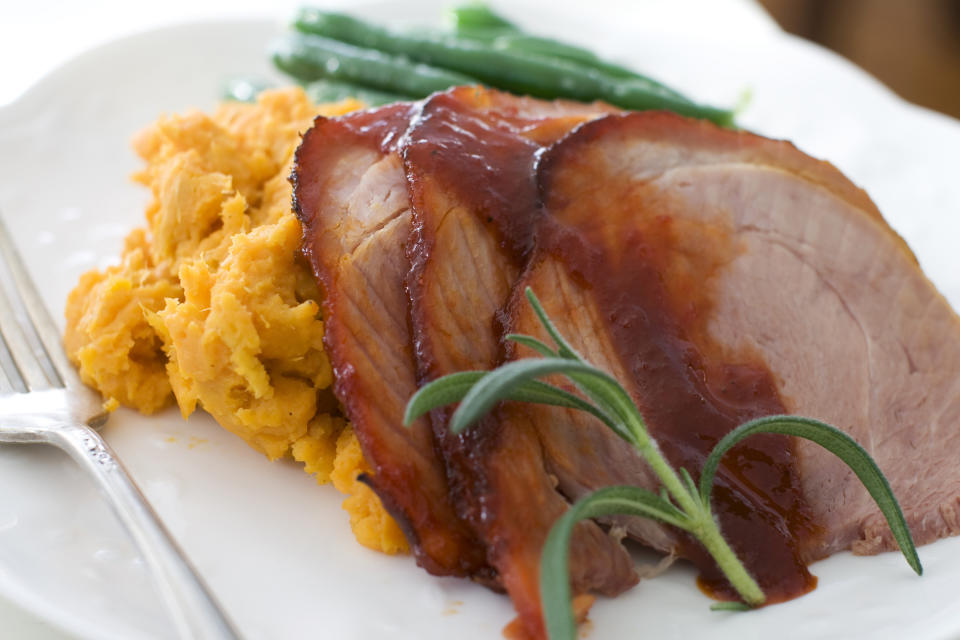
column 212, row 306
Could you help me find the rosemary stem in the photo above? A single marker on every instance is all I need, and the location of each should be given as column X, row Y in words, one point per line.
column 703, row 525
column 652, row 454
column 648, row 448
column 710, row 537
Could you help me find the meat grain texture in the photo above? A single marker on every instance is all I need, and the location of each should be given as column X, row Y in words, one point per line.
column 350, row 193
column 470, row 158
column 812, row 283
column 719, row 275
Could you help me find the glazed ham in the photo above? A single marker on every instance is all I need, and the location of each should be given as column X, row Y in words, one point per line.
column 785, row 290
column 471, row 177
column 719, row 275
column 351, row 197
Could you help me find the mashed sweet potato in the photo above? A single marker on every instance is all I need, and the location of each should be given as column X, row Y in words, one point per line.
column 212, row 306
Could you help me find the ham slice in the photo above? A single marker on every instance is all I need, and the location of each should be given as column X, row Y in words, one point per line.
column 723, row 276
column 470, row 166
column 350, row 194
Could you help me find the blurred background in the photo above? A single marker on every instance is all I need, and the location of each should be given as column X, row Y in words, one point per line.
column 912, row 46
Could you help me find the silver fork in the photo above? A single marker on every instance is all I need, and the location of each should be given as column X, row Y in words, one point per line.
column 43, row 400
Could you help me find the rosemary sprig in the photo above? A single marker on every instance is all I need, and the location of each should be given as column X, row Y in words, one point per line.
column 680, row 502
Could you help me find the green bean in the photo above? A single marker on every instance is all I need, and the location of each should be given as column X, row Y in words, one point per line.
column 479, row 16
column 339, row 26
column 479, row 22
column 310, row 57
column 321, row 91
column 547, row 47
column 506, row 69
column 550, row 48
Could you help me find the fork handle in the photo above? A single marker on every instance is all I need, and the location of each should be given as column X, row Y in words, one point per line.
column 193, row 608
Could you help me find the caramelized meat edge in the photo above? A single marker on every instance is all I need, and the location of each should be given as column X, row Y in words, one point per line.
column 350, row 195
column 469, row 161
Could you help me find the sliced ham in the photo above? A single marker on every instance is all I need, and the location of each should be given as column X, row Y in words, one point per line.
column 350, row 194
column 721, row 276
column 470, row 168
column 724, row 276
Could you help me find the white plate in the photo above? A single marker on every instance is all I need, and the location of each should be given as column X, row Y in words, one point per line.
column 276, row 548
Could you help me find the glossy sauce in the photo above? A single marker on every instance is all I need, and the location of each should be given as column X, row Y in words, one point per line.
column 470, row 160
column 409, row 476
column 479, row 157
column 650, row 272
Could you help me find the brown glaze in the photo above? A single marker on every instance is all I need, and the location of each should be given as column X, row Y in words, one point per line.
column 470, row 166
column 646, row 270
column 482, row 145
column 346, row 179
column 631, row 282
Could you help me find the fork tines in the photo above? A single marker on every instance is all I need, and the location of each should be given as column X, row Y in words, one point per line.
column 31, row 355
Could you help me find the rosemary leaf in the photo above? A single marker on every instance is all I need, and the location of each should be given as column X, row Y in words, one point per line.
column 681, row 502
column 537, row 345
column 839, row 444
column 564, row 350
column 542, row 393
column 688, row 481
column 555, row 558
column 605, row 392
column 454, row 387
column 490, row 390
column 440, row 392
column 730, row 606
column 612, row 399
